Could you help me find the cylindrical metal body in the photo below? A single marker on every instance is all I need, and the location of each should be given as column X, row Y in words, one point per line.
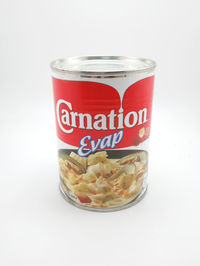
column 103, row 115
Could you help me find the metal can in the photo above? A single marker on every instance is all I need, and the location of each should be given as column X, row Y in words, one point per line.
column 103, row 110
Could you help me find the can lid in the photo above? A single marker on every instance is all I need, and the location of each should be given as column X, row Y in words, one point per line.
column 106, row 65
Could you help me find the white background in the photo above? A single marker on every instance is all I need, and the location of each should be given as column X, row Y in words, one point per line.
column 37, row 227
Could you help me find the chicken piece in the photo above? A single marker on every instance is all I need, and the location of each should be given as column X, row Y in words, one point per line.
column 97, row 158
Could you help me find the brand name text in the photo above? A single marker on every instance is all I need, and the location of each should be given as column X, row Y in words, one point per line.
column 67, row 117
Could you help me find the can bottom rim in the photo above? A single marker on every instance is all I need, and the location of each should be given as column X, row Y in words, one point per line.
column 140, row 196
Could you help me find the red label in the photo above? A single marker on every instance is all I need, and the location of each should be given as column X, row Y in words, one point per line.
column 91, row 114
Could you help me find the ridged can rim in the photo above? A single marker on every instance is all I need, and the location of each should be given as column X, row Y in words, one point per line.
column 102, row 65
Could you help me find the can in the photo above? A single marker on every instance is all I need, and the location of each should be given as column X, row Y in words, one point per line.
column 103, row 107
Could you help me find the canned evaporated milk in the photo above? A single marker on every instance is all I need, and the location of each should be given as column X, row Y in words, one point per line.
column 103, row 117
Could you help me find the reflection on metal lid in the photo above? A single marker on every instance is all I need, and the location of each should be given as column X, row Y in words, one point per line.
column 94, row 65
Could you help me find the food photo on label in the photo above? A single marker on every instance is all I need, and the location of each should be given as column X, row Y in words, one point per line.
column 98, row 181
column 103, row 107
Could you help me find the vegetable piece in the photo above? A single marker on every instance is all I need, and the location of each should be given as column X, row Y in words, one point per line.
column 83, row 198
